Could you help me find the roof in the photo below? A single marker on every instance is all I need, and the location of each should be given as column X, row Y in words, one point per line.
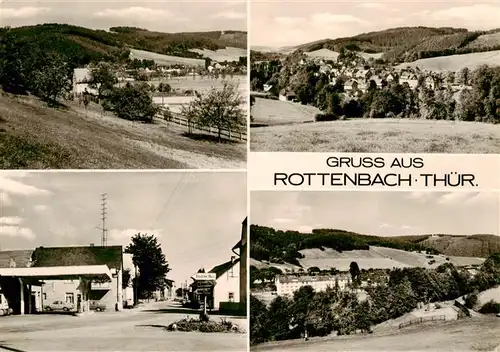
column 20, row 258
column 309, row 278
column 77, row 256
column 221, row 269
column 91, row 271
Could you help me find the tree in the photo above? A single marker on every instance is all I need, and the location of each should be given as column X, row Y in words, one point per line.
column 133, row 102
column 102, row 78
column 53, row 79
column 354, row 270
column 126, row 278
column 220, row 108
column 148, row 257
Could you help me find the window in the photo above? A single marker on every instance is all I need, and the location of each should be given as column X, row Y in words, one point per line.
column 231, row 296
column 44, row 296
column 70, row 298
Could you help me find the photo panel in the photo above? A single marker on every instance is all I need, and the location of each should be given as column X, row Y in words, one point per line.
column 374, row 271
column 123, row 261
column 375, row 76
column 123, row 85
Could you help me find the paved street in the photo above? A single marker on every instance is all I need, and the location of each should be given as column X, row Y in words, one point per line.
column 141, row 329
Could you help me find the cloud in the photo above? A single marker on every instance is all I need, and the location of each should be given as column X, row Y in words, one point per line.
column 477, row 16
column 231, row 15
column 304, row 229
column 40, row 208
column 385, row 225
column 137, row 13
column 124, row 235
column 289, row 21
column 10, row 220
column 23, row 12
column 372, row 5
column 15, row 187
column 326, row 18
column 455, row 197
column 16, row 231
column 406, row 227
column 282, row 220
column 5, row 199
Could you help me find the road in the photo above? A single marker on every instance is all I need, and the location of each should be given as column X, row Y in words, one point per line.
column 141, row 329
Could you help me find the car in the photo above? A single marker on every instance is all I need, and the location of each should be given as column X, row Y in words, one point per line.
column 97, row 306
column 59, row 305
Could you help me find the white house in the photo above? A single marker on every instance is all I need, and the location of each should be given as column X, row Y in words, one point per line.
column 81, row 77
column 226, row 292
column 288, row 284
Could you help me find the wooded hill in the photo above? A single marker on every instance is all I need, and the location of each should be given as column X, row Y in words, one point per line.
column 83, row 45
column 279, row 246
column 405, row 44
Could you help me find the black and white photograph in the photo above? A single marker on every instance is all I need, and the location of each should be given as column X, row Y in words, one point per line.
column 375, row 76
column 374, row 271
column 123, row 84
column 123, row 261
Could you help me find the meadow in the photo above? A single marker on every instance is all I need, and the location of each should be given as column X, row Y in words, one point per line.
column 456, row 62
column 370, row 136
column 164, row 59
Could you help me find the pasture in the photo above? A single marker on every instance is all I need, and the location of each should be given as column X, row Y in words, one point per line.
column 380, row 135
column 161, row 59
column 328, row 54
column 456, row 62
column 374, row 258
column 271, row 112
column 227, row 54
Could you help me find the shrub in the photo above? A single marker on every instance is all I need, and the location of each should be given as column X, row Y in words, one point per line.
column 190, row 324
column 490, row 307
column 471, row 300
column 325, row 117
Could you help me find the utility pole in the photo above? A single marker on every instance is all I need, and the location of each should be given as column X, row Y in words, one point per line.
column 104, row 238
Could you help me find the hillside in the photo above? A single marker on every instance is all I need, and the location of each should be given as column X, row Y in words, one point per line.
column 406, row 44
column 325, row 248
column 33, row 136
column 82, row 45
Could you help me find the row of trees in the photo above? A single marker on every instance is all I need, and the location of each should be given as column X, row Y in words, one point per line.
column 321, row 313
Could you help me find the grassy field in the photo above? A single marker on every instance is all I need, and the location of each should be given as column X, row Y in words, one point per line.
column 36, row 137
column 165, row 59
column 276, row 112
column 227, row 54
column 375, row 258
column 204, row 84
column 456, row 62
column 384, row 135
column 474, row 334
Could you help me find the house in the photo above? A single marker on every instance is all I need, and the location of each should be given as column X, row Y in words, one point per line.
column 81, row 77
column 226, row 292
column 286, row 95
column 351, row 85
column 288, row 284
column 268, row 87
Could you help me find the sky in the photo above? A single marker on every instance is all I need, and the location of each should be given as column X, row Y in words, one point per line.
column 379, row 213
column 196, row 216
column 276, row 23
column 165, row 16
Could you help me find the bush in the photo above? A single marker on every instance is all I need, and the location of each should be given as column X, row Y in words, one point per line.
column 325, row 117
column 190, row 324
column 490, row 307
column 471, row 300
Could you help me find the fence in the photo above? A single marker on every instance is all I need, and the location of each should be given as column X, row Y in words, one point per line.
column 422, row 320
column 240, row 134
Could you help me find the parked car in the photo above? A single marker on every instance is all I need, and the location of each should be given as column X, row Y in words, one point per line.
column 59, row 305
column 97, row 306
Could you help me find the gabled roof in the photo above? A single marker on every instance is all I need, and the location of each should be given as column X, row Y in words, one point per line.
column 76, row 256
column 20, row 258
column 221, row 269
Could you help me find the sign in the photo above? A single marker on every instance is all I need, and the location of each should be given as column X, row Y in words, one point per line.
column 100, row 286
column 204, row 291
column 205, row 276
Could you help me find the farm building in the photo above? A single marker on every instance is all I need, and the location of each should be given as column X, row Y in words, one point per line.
column 81, row 77
column 288, row 284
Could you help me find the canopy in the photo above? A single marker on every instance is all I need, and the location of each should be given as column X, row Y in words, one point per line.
column 60, row 272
